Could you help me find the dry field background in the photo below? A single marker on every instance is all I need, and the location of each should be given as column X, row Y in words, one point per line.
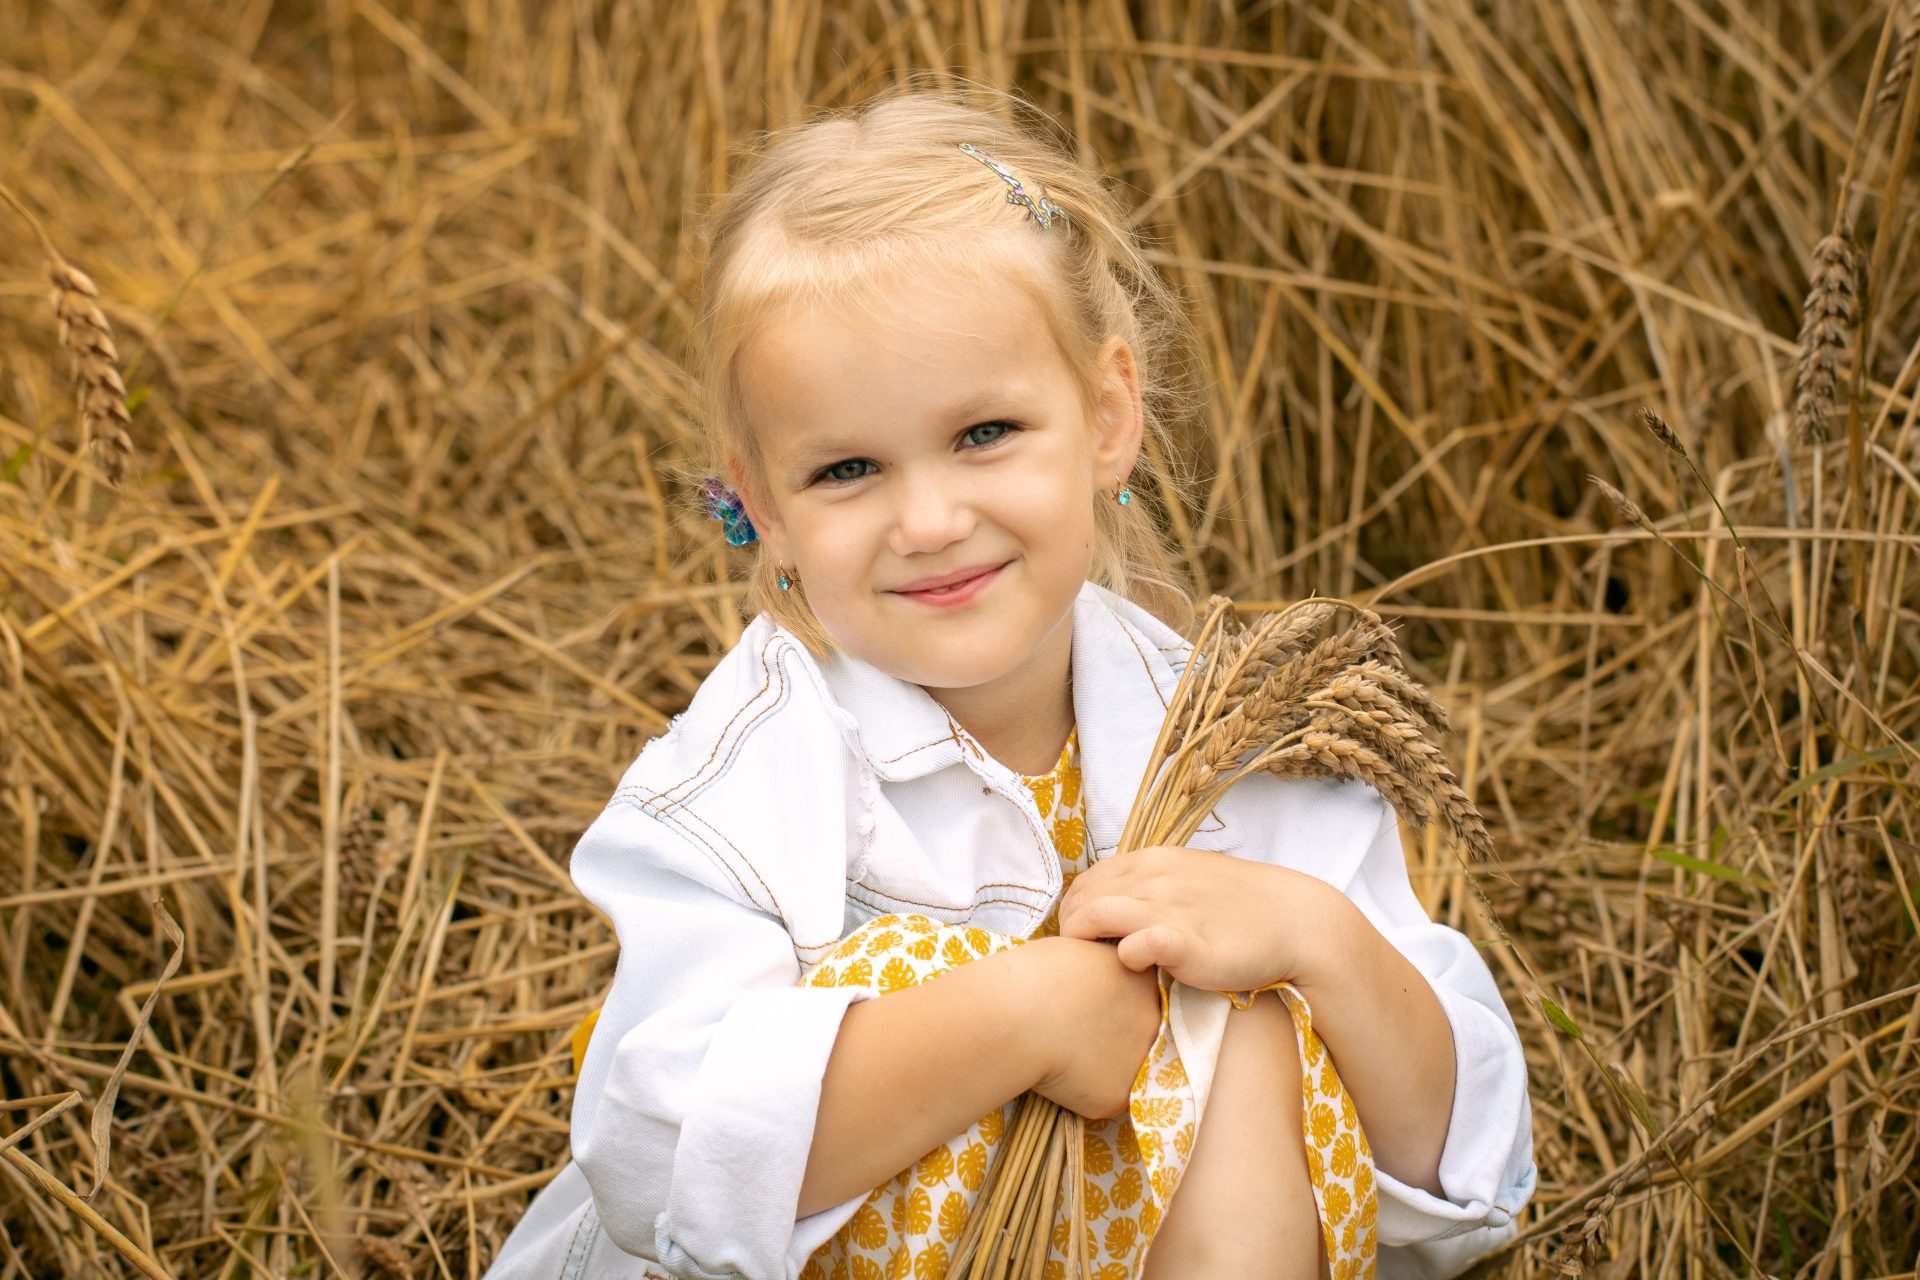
column 397, row 581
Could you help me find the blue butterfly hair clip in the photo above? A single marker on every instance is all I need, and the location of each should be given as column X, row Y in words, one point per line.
column 724, row 505
column 1042, row 210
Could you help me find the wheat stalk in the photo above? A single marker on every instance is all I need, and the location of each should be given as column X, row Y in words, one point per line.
column 1293, row 695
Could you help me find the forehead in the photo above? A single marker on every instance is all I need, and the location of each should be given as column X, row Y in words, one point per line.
column 908, row 347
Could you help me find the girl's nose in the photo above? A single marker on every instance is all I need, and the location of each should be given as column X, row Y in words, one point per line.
column 932, row 514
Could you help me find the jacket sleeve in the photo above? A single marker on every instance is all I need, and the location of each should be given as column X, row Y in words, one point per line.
column 1486, row 1164
column 695, row 1108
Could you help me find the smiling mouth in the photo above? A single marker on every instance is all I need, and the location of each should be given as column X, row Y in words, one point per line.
column 952, row 588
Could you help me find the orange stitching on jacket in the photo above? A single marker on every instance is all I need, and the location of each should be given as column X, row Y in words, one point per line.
column 967, row 744
column 694, row 837
column 667, row 815
column 746, row 894
column 969, row 908
column 911, row 750
column 766, row 683
column 721, row 836
column 684, row 811
column 767, row 709
column 681, row 813
column 1145, row 665
column 998, row 884
column 946, row 906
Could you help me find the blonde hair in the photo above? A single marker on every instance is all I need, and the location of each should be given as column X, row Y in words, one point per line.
column 828, row 207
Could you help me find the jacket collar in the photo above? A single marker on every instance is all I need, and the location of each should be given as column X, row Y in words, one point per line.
column 1126, row 663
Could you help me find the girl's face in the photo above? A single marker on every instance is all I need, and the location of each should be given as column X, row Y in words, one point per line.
column 939, row 436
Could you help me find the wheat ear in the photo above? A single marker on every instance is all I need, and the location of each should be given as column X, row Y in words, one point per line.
column 88, row 340
column 1823, row 332
column 1900, row 70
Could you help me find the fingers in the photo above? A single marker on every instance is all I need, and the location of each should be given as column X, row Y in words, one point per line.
column 1130, row 875
column 1157, row 945
column 1103, row 915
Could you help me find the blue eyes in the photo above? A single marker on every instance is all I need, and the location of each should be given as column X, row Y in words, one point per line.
column 840, row 473
column 1001, row 427
column 838, row 470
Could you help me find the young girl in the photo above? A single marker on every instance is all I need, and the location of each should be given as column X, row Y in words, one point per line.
column 863, row 885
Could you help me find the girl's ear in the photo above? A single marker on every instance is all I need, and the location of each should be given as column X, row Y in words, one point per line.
column 1119, row 419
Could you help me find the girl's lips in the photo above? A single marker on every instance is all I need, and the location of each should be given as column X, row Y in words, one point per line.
column 958, row 594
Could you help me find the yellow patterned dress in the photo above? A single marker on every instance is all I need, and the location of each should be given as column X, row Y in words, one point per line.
column 907, row 1227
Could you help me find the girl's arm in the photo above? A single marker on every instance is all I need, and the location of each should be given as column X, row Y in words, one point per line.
column 917, row 1066
column 1390, row 1038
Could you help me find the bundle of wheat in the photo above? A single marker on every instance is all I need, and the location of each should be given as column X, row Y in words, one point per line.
column 1294, row 695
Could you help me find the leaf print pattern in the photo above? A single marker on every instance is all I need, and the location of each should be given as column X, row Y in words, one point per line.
column 953, row 1216
column 868, row 1228
column 913, row 1215
column 898, row 974
column 973, row 1166
column 931, row 1262
column 1339, row 1161
column 906, row 1228
column 936, row 1168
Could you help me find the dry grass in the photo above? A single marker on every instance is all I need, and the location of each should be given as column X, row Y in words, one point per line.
column 393, row 589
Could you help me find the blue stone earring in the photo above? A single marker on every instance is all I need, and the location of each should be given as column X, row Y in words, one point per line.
column 786, row 583
column 1124, row 497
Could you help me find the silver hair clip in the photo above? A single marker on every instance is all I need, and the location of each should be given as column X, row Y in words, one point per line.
column 1042, row 211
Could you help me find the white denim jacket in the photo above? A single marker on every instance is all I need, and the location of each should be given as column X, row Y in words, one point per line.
column 796, row 799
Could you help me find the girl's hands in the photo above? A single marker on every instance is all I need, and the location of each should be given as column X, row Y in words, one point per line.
column 1213, row 921
column 1103, row 1017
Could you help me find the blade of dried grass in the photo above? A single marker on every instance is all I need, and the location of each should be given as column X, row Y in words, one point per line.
column 101, row 1129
